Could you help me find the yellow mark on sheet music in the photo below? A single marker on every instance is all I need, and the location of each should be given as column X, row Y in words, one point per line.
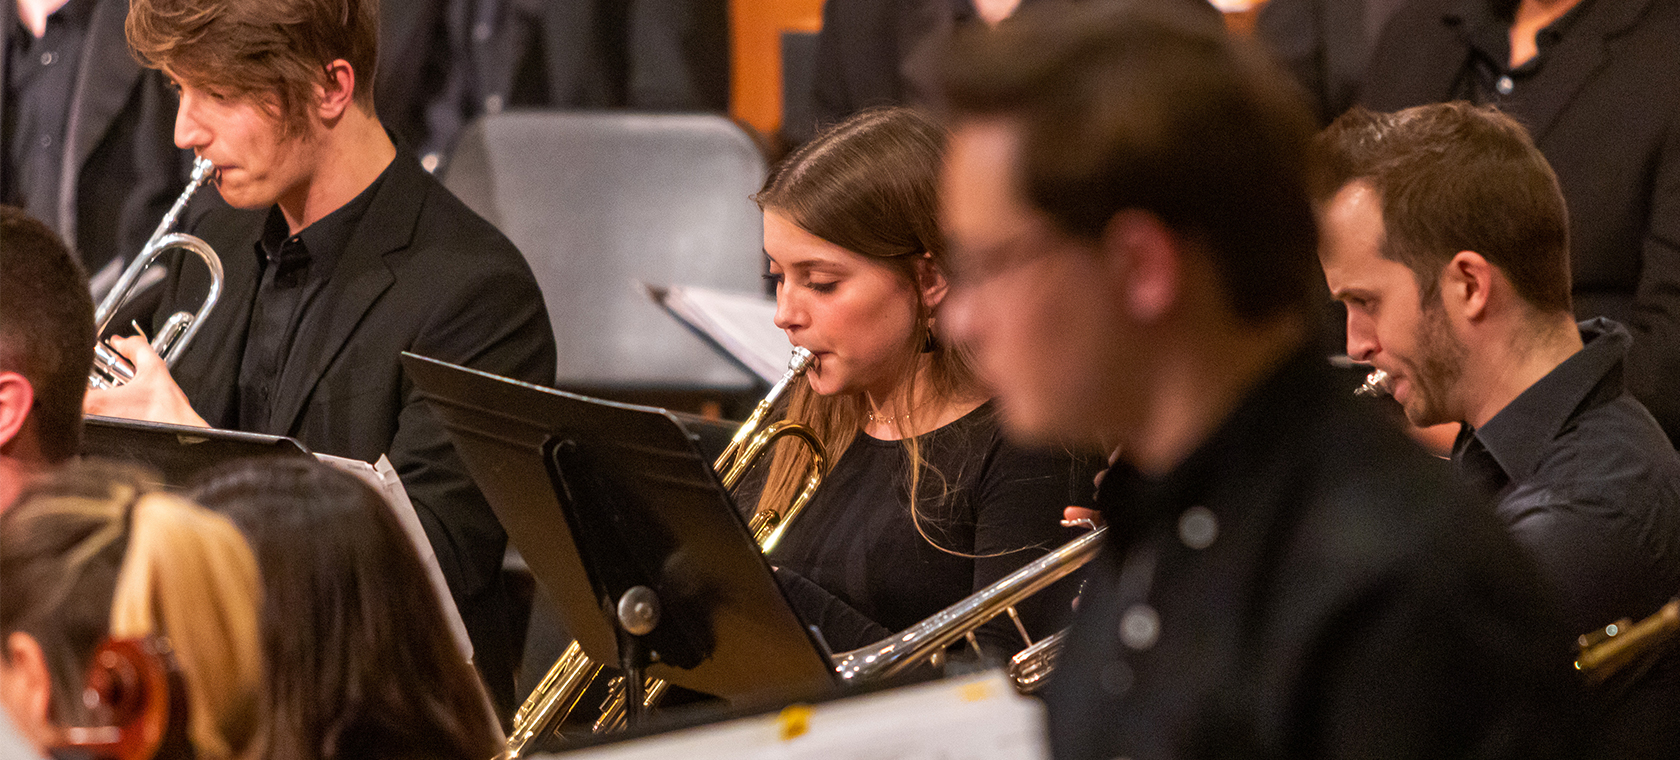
column 976, row 692
column 794, row 721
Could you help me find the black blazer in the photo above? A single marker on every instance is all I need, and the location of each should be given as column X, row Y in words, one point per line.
column 1605, row 109
column 121, row 167
column 423, row 273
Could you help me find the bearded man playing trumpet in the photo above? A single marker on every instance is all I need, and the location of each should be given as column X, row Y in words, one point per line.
column 926, row 502
column 339, row 254
column 1469, row 315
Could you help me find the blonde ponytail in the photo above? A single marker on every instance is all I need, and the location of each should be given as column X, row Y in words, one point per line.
column 188, row 575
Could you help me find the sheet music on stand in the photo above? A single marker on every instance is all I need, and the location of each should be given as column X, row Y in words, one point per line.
column 382, row 477
column 740, row 325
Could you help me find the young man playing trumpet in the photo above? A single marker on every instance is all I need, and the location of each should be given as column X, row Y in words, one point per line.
column 1446, row 237
column 340, row 253
column 1133, row 247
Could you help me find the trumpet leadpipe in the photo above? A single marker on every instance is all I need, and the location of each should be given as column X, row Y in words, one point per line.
column 905, row 649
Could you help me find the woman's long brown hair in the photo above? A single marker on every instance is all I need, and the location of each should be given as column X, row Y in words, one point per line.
column 869, row 185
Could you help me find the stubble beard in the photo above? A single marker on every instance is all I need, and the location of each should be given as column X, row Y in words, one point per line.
column 1437, row 370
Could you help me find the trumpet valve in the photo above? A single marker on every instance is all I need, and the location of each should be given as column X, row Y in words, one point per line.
column 110, row 369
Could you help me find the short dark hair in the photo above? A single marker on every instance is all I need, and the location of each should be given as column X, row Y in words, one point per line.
column 360, row 662
column 258, row 48
column 46, row 327
column 1457, row 177
column 1154, row 107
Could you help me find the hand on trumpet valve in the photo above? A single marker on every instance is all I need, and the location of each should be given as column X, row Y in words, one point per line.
column 152, row 395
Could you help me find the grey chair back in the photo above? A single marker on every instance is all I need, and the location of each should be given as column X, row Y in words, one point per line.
column 600, row 201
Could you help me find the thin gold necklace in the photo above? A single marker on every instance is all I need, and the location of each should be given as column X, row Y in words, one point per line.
column 886, row 418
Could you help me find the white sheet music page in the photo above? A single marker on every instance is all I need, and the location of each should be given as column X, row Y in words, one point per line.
column 383, row 478
column 742, row 325
column 977, row 717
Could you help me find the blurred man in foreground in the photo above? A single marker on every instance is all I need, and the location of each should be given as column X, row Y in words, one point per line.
column 1288, row 576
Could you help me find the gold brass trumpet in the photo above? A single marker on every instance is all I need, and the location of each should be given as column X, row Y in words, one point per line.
column 564, row 686
column 1608, row 650
column 111, row 369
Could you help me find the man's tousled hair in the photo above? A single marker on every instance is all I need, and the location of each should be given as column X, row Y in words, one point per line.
column 1456, row 177
column 273, row 51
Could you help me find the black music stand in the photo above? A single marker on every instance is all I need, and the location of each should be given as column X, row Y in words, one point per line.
column 178, row 452
column 612, row 504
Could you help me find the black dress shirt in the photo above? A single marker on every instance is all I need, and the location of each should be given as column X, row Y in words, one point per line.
column 1307, row 584
column 295, row 270
column 40, row 78
column 1588, row 483
column 1487, row 76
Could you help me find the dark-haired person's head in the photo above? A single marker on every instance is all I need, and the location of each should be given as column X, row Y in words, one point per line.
column 360, row 660
column 1413, row 203
column 92, row 551
column 46, row 350
column 1123, row 176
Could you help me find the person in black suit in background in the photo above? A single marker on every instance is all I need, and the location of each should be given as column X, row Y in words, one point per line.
column 445, row 62
column 1133, row 248
column 873, row 53
column 340, row 253
column 1594, row 82
column 87, row 144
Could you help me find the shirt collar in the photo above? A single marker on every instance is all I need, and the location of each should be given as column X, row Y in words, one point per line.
column 75, row 12
column 1485, row 25
column 324, row 241
column 1520, row 434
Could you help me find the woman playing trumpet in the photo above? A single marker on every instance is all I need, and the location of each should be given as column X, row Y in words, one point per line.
column 927, row 503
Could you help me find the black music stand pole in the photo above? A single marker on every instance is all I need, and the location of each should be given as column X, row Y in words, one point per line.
column 638, row 616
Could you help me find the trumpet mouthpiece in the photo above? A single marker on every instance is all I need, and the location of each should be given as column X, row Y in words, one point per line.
column 1376, row 384
column 800, row 359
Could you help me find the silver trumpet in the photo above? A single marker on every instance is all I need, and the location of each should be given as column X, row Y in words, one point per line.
column 1376, row 385
column 927, row 639
column 111, row 369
